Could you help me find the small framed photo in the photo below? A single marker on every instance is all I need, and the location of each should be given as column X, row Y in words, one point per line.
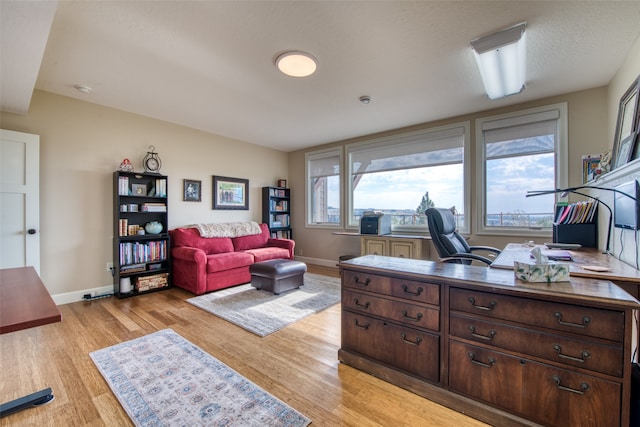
column 590, row 164
column 192, row 190
column 282, row 183
column 230, row 193
column 139, row 189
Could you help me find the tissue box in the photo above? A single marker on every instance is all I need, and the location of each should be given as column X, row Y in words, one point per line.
column 545, row 273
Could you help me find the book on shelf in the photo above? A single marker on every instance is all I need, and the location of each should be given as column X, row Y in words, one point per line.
column 153, row 207
column 160, row 189
column 123, row 225
column 123, row 185
column 142, row 252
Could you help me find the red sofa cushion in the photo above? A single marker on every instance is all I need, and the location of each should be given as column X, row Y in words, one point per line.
column 228, row 261
column 191, row 237
column 264, row 254
column 252, row 242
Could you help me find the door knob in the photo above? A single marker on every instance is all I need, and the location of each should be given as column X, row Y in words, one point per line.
column 31, row 231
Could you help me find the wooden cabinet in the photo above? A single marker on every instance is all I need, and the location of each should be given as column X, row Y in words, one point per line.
column 477, row 340
column 140, row 233
column 276, row 211
column 401, row 246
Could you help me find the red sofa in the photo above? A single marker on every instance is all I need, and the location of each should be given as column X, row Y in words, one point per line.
column 204, row 264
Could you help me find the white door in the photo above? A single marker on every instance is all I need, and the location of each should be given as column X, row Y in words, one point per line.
column 19, row 200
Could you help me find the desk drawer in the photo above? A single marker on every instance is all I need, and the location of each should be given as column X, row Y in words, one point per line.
column 539, row 392
column 428, row 293
column 414, row 315
column 593, row 322
column 568, row 351
column 407, row 349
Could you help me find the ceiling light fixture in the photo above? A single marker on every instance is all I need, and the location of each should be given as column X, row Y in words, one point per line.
column 365, row 99
column 296, row 63
column 83, row 89
column 501, row 59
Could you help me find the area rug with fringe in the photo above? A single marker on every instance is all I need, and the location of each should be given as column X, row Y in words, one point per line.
column 262, row 312
column 161, row 379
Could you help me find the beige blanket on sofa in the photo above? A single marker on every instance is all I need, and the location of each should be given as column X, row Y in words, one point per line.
column 228, row 229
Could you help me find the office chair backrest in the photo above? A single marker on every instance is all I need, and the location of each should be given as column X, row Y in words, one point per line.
column 442, row 227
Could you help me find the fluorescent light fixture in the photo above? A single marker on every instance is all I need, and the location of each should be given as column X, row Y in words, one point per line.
column 501, row 59
column 296, row 64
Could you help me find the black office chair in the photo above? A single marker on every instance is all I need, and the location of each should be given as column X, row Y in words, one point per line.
column 451, row 246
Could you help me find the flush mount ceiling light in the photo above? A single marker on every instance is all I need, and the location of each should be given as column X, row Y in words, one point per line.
column 296, row 63
column 501, row 60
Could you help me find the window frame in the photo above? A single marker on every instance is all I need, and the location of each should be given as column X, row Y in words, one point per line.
column 347, row 213
column 318, row 154
column 561, row 166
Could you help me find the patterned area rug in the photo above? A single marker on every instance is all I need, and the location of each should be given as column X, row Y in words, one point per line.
column 162, row 379
column 262, row 312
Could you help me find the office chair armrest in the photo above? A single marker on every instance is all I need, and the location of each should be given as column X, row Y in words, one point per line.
column 467, row 256
column 486, row 248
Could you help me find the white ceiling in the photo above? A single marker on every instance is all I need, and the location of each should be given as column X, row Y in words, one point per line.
column 208, row 65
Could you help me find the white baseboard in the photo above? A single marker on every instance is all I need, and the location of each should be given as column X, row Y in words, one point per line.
column 75, row 296
column 317, row 261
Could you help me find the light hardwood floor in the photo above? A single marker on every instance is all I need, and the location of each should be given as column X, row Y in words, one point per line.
column 298, row 365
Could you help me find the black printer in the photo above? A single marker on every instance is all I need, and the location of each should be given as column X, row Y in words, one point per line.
column 375, row 222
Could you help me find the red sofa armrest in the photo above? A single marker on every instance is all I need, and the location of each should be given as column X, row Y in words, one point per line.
column 189, row 269
column 283, row 243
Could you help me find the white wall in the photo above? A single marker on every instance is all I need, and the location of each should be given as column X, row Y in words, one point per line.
column 81, row 144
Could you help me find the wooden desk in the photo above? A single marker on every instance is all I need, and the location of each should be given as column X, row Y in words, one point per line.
column 479, row 341
column 25, row 303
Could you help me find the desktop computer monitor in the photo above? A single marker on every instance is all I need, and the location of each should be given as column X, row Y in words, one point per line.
column 626, row 211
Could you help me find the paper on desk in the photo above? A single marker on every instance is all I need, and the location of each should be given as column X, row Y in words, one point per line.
column 595, row 268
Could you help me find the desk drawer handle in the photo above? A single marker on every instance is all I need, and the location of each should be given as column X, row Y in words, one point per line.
column 491, row 306
column 416, row 342
column 355, row 322
column 366, row 305
column 491, row 361
column 489, row 337
column 585, row 321
column 584, row 355
column 357, row 281
column 406, row 290
column 583, row 386
column 415, row 319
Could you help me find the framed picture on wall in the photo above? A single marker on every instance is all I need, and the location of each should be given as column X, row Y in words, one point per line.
column 230, row 193
column 192, row 190
column 627, row 125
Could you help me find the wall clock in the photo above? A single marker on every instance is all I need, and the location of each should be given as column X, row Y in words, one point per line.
column 151, row 161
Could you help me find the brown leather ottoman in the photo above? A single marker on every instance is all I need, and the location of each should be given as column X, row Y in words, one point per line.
column 277, row 275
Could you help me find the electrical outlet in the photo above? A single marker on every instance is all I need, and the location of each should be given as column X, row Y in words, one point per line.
column 109, row 267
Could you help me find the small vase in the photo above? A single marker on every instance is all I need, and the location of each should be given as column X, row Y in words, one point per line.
column 153, row 227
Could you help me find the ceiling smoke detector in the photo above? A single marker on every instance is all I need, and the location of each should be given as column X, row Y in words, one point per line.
column 83, row 89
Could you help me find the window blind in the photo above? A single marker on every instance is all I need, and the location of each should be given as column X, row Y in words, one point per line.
column 408, row 151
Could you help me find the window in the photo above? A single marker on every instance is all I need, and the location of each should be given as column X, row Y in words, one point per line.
column 404, row 174
column 323, row 188
column 518, row 152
